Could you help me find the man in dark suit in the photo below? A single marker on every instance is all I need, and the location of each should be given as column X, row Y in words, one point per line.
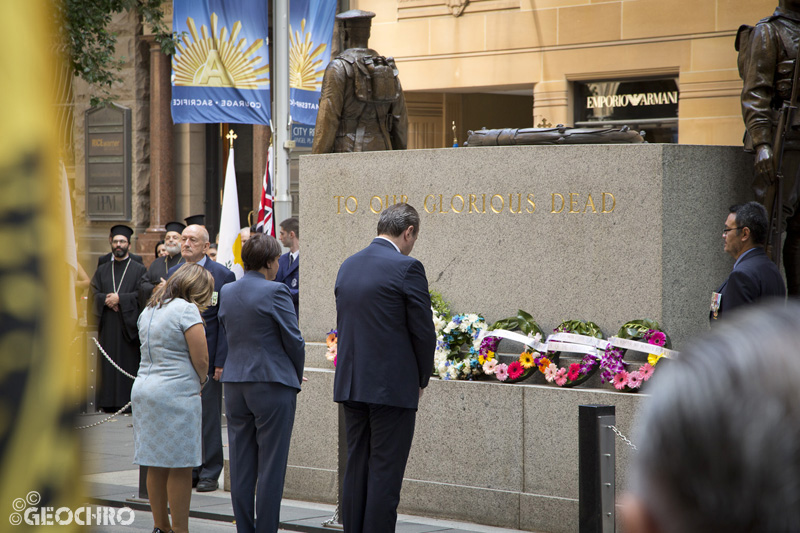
column 194, row 245
column 386, row 345
column 754, row 276
column 289, row 263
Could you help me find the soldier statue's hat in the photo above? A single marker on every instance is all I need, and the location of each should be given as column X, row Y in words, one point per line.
column 121, row 229
column 177, row 227
column 355, row 16
column 200, row 220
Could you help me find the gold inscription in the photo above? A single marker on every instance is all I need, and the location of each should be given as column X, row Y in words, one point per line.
column 347, row 202
column 572, row 202
column 452, row 205
column 502, row 203
column 560, row 197
column 613, row 202
column 589, row 202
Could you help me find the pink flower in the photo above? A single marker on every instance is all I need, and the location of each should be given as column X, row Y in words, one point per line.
column 501, row 371
column 489, row 366
column 574, row 371
column 646, row 371
column 550, row 372
column 620, row 380
column 334, row 361
column 515, row 370
column 561, row 377
column 658, row 338
column 635, row 380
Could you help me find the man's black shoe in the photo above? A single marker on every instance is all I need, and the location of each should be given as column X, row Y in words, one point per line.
column 207, row 485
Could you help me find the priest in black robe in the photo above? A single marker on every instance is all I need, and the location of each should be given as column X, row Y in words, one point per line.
column 158, row 271
column 115, row 309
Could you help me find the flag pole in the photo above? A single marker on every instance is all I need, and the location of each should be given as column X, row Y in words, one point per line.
column 282, row 133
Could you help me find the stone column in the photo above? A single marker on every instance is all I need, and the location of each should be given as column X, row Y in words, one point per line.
column 162, row 182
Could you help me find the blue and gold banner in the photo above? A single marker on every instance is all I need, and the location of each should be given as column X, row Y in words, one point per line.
column 310, row 35
column 220, row 70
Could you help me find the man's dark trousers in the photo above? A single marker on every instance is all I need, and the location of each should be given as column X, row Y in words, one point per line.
column 213, row 459
column 378, row 442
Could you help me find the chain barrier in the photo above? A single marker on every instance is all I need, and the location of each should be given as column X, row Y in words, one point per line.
column 115, row 365
column 333, row 522
column 107, row 418
column 623, row 437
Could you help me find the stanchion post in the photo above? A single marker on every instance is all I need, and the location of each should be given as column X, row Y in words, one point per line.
column 596, row 469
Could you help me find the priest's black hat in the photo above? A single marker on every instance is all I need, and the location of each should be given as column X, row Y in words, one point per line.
column 200, row 220
column 121, row 229
column 177, row 227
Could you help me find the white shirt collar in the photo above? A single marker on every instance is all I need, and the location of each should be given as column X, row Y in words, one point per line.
column 392, row 243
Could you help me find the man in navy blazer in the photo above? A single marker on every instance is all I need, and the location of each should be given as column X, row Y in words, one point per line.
column 386, row 341
column 289, row 263
column 194, row 245
column 754, row 276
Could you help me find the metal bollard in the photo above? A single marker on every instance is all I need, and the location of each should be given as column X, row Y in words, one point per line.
column 596, row 469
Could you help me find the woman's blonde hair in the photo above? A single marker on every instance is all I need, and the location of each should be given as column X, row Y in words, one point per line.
column 191, row 282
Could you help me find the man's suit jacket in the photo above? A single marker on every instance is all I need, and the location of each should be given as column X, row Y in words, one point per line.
column 217, row 343
column 264, row 342
column 386, row 337
column 754, row 278
column 290, row 275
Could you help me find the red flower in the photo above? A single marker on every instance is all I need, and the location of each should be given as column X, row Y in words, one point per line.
column 515, row 370
column 574, row 371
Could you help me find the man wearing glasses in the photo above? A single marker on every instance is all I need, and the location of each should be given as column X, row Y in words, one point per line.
column 754, row 275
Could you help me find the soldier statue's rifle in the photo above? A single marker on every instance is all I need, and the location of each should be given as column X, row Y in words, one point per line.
column 774, row 195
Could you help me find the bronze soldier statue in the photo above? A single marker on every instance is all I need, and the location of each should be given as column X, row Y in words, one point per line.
column 767, row 57
column 361, row 108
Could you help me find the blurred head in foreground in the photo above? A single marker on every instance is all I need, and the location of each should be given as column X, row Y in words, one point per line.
column 719, row 440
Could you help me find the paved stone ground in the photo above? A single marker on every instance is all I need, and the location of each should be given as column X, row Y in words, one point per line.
column 112, row 479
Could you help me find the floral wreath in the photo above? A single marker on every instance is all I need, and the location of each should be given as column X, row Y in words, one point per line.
column 642, row 330
column 524, row 366
column 332, row 340
column 576, row 373
column 449, row 361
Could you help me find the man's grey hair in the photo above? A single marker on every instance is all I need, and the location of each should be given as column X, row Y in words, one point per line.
column 396, row 219
column 719, row 439
column 752, row 215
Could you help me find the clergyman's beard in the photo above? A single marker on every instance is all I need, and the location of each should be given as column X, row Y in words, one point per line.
column 173, row 250
column 120, row 252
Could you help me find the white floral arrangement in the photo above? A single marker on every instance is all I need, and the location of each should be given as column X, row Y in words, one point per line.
column 449, row 361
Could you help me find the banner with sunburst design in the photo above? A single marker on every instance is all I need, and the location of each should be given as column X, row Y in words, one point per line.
column 220, row 70
column 310, row 36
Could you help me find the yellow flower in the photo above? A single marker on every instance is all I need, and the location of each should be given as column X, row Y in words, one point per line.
column 543, row 364
column 489, row 355
column 653, row 359
column 526, row 359
column 481, row 359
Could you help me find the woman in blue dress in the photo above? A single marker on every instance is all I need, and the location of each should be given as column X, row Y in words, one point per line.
column 166, row 394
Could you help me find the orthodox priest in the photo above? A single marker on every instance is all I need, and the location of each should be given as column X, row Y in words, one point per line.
column 115, row 308
column 157, row 273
